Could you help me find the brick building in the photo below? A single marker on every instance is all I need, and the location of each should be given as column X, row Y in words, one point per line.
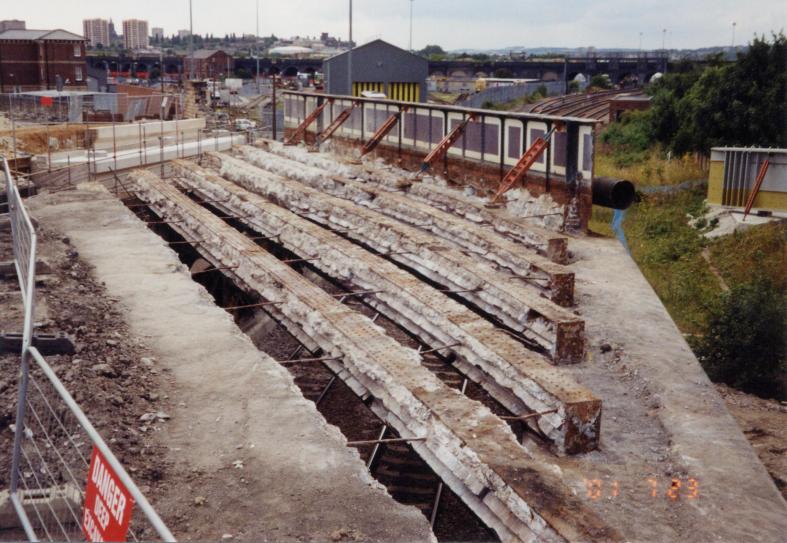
column 34, row 59
column 96, row 32
column 209, row 64
column 135, row 34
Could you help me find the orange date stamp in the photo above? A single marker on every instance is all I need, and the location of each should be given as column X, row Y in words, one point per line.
column 673, row 488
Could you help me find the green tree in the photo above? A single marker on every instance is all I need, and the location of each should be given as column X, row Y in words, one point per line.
column 432, row 51
column 740, row 103
column 600, row 81
column 746, row 344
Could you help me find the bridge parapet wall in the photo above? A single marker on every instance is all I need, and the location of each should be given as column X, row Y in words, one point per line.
column 492, row 143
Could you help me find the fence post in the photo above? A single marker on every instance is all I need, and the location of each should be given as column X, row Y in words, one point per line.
column 19, row 219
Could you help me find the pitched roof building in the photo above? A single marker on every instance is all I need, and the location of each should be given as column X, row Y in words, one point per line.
column 208, row 64
column 378, row 66
column 38, row 59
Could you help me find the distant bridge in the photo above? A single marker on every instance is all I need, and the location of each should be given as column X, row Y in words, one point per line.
column 616, row 67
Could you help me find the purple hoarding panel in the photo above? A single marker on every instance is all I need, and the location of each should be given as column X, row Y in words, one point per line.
column 473, row 137
column 491, row 139
column 538, row 133
column 460, row 142
column 514, row 142
column 560, row 149
column 422, row 128
column 409, row 125
column 437, row 130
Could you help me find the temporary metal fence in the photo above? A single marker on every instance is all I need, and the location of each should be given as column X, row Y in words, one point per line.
column 83, row 106
column 53, row 439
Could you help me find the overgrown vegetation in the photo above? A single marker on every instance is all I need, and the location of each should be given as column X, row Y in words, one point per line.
column 669, row 253
column 745, row 342
column 738, row 335
column 651, row 168
column 696, row 108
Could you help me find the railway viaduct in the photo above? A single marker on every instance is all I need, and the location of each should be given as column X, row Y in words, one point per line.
column 617, row 68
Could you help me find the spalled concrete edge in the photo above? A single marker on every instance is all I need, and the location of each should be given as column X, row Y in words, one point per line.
column 503, row 362
column 488, row 245
column 466, row 442
column 514, row 301
column 195, row 339
column 549, row 243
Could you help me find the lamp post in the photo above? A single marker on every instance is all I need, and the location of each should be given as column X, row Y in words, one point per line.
column 257, row 46
column 411, row 26
column 734, row 24
column 640, row 42
column 191, row 42
column 350, row 55
column 13, row 119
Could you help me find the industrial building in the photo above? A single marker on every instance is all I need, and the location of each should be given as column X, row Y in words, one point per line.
column 135, row 34
column 37, row 59
column 380, row 67
column 749, row 177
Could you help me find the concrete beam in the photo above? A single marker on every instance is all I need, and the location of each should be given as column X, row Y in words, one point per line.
column 520, row 379
column 516, row 302
column 547, row 242
column 487, row 245
column 473, row 450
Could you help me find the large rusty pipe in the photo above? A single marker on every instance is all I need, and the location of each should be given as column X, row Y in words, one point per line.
column 614, row 193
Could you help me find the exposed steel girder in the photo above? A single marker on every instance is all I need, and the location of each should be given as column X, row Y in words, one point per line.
column 442, row 148
column 310, row 118
column 381, row 132
column 523, row 164
column 756, row 189
column 337, row 122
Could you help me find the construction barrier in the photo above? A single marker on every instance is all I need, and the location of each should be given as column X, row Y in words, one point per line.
column 66, row 484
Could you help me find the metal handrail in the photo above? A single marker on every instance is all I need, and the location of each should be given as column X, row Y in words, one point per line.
column 98, row 441
column 20, row 219
column 443, row 107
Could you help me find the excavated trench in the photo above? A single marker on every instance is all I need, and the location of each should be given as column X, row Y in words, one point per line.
column 397, row 466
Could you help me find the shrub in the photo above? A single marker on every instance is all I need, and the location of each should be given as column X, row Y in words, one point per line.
column 744, row 346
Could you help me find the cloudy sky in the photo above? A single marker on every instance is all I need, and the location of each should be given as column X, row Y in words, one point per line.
column 454, row 24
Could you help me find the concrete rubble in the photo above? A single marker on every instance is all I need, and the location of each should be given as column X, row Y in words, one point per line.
column 431, row 190
column 472, row 450
column 516, row 302
column 517, row 377
column 488, row 246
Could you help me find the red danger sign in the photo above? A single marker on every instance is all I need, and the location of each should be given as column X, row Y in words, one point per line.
column 108, row 504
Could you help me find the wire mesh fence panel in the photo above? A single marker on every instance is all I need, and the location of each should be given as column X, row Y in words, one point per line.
column 54, row 463
column 23, row 238
column 56, row 446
